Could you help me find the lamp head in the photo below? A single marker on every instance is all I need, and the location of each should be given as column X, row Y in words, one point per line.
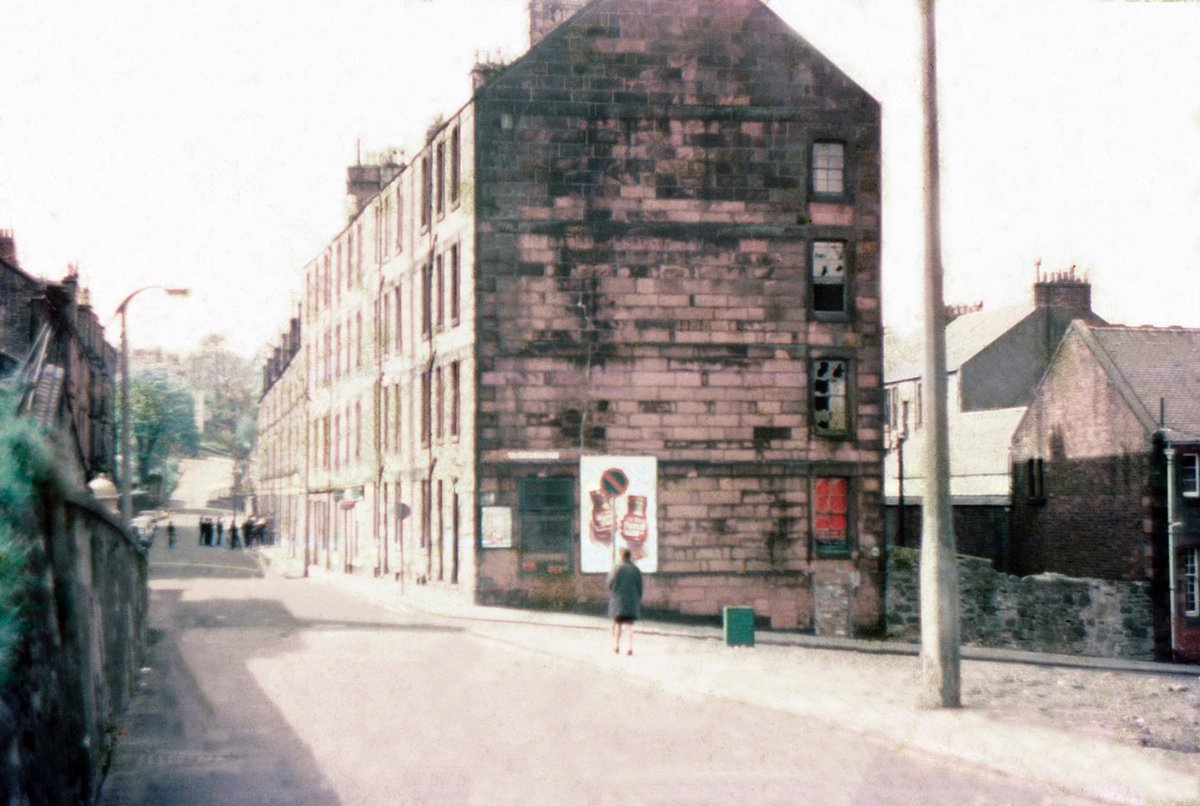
column 178, row 292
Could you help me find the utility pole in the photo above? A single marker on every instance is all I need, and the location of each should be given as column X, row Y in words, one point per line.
column 941, row 682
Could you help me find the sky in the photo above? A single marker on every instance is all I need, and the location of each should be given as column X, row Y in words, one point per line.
column 204, row 145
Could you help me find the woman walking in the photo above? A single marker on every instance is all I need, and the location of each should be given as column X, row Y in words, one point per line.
column 625, row 599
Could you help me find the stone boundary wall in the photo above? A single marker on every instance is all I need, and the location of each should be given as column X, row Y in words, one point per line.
column 1042, row 613
column 84, row 640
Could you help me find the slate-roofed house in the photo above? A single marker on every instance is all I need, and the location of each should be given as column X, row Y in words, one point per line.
column 994, row 361
column 1090, row 468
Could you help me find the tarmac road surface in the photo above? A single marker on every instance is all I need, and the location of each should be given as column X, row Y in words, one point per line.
column 260, row 689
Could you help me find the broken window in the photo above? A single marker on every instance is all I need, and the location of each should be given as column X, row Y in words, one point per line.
column 829, row 276
column 829, row 169
column 831, row 532
column 829, row 397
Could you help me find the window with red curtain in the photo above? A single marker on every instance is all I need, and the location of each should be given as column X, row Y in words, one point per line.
column 830, row 516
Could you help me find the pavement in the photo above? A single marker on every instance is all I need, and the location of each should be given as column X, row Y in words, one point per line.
column 869, row 687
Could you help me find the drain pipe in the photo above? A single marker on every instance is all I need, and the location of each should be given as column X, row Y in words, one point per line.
column 1169, row 452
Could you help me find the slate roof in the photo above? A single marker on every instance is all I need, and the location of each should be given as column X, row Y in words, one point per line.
column 966, row 336
column 1149, row 364
column 979, row 469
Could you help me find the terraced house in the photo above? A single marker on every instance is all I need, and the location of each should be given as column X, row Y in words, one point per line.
column 628, row 295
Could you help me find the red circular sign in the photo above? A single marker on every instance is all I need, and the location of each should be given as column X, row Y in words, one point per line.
column 614, row 482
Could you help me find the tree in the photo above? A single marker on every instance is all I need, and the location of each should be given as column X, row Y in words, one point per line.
column 163, row 424
column 229, row 384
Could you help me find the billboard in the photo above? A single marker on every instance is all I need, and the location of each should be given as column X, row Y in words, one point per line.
column 618, row 508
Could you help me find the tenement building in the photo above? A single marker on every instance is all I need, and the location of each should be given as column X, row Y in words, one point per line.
column 626, row 297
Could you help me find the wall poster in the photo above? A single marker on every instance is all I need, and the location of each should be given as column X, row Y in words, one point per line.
column 618, row 505
column 496, row 531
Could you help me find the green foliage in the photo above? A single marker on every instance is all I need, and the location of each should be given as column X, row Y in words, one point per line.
column 230, row 387
column 162, row 416
column 25, row 462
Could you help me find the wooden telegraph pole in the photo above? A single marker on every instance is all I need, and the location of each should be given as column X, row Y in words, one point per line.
column 941, row 683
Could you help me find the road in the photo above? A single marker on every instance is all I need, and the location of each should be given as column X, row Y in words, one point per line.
column 261, row 689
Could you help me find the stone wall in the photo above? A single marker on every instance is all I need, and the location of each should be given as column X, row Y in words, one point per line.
column 1042, row 613
column 85, row 635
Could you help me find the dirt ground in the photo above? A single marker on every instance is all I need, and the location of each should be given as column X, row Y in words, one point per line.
column 1161, row 711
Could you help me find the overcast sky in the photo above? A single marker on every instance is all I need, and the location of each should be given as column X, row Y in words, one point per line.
column 205, row 144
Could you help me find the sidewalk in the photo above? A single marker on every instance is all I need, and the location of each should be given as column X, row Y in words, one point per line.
column 1052, row 719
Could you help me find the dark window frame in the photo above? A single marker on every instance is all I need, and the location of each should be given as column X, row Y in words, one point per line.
column 546, row 524
column 816, row 394
column 823, row 547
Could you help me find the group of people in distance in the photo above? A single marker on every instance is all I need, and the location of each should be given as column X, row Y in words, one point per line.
column 252, row 531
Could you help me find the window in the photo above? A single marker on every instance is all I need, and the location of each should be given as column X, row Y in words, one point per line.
column 831, row 532
column 350, row 275
column 440, row 152
column 455, row 275
column 358, row 430
column 1189, row 475
column 426, row 300
column 455, row 163
column 1035, row 479
column 399, row 320
column 547, row 506
column 358, row 339
column 440, row 403
column 337, row 347
column 426, row 406
column 396, row 416
column 1191, row 582
column 385, row 338
column 829, row 397
column 455, row 396
column 829, row 276
column 385, row 216
column 384, row 410
column 829, row 169
column 399, row 221
column 337, row 441
column 338, row 263
column 426, row 191
column 441, row 292
column 358, row 259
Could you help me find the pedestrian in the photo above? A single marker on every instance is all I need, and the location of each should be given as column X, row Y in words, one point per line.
column 248, row 532
column 170, row 534
column 220, row 530
column 625, row 599
column 200, row 531
column 233, row 535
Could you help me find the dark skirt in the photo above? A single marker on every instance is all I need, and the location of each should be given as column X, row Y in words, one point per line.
column 624, row 619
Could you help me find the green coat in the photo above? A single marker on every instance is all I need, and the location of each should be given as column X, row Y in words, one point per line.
column 625, row 584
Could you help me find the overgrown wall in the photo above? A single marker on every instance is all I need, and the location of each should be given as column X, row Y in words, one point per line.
column 84, row 621
column 1042, row 613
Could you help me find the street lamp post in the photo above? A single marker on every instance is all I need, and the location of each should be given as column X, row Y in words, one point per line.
column 126, row 464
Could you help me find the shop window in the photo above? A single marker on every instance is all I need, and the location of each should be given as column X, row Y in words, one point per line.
column 831, row 533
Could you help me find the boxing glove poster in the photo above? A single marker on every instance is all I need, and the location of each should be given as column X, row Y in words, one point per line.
column 618, row 509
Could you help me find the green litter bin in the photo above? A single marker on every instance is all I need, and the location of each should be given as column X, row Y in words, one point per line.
column 739, row 626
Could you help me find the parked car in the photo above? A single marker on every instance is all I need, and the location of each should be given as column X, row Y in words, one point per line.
column 145, row 529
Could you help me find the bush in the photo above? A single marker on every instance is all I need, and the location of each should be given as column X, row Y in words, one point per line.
column 25, row 462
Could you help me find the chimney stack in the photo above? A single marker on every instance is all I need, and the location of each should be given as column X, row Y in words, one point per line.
column 1063, row 289
column 8, row 247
